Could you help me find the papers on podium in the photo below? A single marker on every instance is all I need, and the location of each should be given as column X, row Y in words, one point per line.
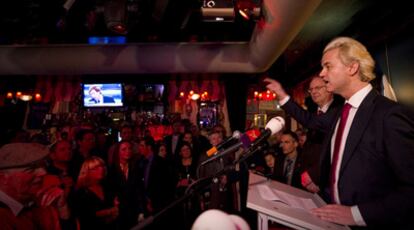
column 270, row 194
column 284, row 204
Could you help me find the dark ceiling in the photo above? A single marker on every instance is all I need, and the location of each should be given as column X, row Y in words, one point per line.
column 45, row 21
column 57, row 21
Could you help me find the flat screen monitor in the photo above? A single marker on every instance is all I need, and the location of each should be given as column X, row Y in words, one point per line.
column 103, row 95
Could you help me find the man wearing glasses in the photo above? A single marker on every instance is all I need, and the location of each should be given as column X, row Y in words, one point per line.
column 311, row 150
column 24, row 202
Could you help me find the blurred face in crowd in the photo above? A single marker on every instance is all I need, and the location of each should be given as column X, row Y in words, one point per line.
column 215, row 138
column 97, row 172
column 177, row 128
column 23, row 184
column 220, row 129
column 62, row 152
column 319, row 93
column 302, row 137
column 125, row 151
column 185, row 151
column 126, row 134
column 87, row 142
column 188, row 137
column 288, row 144
column 162, row 151
column 142, row 148
column 270, row 160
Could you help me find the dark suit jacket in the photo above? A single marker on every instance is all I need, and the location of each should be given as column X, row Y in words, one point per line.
column 313, row 146
column 130, row 193
column 278, row 173
column 168, row 143
column 377, row 170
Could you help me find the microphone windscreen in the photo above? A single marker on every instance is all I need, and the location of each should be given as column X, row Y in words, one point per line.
column 275, row 124
column 212, row 151
column 236, row 134
column 253, row 134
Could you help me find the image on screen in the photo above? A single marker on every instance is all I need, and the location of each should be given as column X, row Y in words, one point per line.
column 102, row 95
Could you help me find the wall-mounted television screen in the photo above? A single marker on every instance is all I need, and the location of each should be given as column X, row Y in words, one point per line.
column 103, row 95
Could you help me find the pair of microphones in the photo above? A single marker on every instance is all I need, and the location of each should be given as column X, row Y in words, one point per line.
column 250, row 140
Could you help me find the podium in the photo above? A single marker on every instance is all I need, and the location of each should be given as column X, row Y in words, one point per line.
column 281, row 212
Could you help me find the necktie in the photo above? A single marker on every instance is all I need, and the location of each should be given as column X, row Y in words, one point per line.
column 319, row 112
column 288, row 169
column 335, row 156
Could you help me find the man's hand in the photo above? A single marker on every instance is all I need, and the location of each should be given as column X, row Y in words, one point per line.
column 140, row 217
column 50, row 195
column 276, row 87
column 335, row 213
column 307, row 182
column 54, row 196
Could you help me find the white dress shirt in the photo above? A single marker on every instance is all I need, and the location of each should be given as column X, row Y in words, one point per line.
column 355, row 101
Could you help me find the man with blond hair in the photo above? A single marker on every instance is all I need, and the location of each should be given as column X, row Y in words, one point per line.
column 367, row 162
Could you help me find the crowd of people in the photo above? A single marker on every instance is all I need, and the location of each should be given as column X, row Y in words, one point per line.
column 362, row 163
column 116, row 185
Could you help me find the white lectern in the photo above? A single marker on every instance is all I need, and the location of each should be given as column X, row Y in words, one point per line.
column 282, row 213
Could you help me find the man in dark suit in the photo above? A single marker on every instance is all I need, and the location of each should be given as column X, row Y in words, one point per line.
column 173, row 141
column 288, row 165
column 325, row 102
column 367, row 170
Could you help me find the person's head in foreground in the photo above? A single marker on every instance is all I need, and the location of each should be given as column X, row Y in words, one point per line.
column 218, row 220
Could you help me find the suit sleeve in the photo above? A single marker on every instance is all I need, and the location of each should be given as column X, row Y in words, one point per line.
column 307, row 119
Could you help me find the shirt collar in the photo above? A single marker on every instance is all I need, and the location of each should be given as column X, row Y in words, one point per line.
column 15, row 206
column 356, row 99
column 325, row 107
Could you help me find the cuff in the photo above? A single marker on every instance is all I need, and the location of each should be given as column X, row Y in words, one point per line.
column 284, row 100
column 356, row 214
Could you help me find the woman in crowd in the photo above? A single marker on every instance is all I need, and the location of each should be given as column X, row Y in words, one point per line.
column 96, row 206
column 186, row 174
column 125, row 178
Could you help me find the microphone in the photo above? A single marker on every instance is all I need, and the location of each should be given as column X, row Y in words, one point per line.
column 244, row 141
column 251, row 139
column 273, row 126
column 213, row 151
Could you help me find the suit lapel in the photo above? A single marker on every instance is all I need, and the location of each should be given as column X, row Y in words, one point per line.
column 359, row 124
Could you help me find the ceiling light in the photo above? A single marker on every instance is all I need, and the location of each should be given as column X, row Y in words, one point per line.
column 26, row 97
column 218, row 11
column 195, row 96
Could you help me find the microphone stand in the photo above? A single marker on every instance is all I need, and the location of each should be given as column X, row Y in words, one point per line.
column 193, row 187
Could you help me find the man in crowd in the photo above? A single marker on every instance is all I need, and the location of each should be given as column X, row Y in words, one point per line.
column 288, row 165
column 367, row 162
column 325, row 102
column 24, row 202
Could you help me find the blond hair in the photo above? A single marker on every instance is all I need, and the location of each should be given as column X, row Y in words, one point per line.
column 351, row 50
column 89, row 163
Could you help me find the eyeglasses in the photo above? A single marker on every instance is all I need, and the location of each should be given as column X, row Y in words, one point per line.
column 317, row 88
